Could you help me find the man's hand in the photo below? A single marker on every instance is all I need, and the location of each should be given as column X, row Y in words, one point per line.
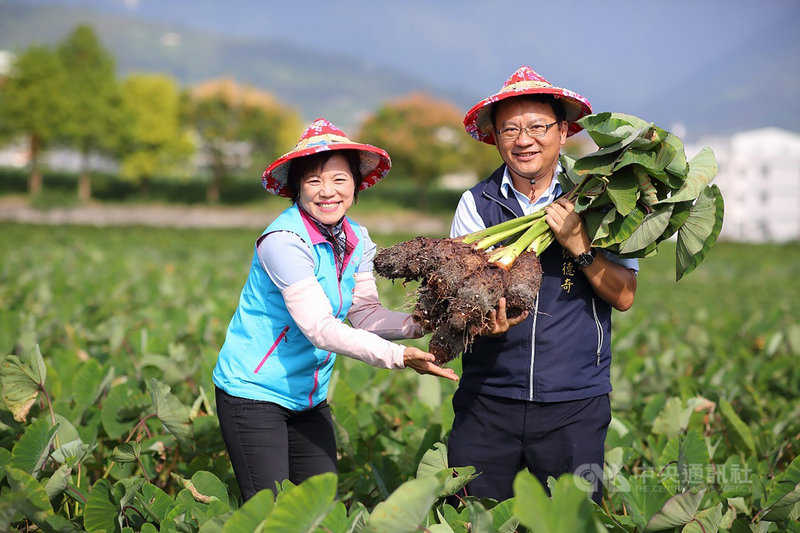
column 567, row 226
column 499, row 323
column 422, row 362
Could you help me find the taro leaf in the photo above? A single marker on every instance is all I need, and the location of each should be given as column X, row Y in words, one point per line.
column 649, row 231
column 22, row 379
column 653, row 161
column 785, row 493
column 644, row 497
column 32, row 449
column 405, row 509
column 172, row 413
column 623, row 188
column 503, row 517
column 568, row 511
column 73, row 452
column 673, row 418
column 122, row 408
column 621, row 228
column 434, row 461
column 86, row 388
column 58, row 481
column 127, row 452
column 204, row 486
column 304, row 507
column 738, row 432
column 479, row 518
column 679, row 215
column 706, row 521
column 567, row 178
column 702, row 169
column 606, row 129
column 102, row 509
column 597, row 223
column 66, row 431
column 699, row 232
column 154, row 502
column 337, row 519
column 650, row 138
column 678, row 167
column 690, row 454
column 250, row 516
column 597, row 165
column 677, row 511
column 23, row 483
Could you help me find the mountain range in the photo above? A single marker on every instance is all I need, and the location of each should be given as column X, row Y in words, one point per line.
column 753, row 85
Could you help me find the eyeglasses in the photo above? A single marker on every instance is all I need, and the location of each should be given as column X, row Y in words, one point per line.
column 512, row 133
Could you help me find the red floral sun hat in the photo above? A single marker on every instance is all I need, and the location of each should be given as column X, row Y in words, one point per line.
column 321, row 135
column 525, row 80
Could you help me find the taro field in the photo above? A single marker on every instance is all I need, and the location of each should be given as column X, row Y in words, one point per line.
column 108, row 338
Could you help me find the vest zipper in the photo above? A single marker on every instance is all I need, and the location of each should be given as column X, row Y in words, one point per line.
column 282, row 336
column 599, row 333
column 533, row 345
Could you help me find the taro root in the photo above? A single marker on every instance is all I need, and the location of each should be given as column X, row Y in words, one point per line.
column 459, row 287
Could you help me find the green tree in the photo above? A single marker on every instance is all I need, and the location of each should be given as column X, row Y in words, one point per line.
column 153, row 141
column 32, row 104
column 425, row 138
column 224, row 115
column 93, row 99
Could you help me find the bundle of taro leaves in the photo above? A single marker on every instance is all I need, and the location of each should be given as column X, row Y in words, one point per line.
column 635, row 191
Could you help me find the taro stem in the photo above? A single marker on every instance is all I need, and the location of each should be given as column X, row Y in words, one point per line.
column 506, row 256
column 514, row 223
column 491, row 240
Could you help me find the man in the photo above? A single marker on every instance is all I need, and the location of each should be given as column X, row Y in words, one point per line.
column 536, row 395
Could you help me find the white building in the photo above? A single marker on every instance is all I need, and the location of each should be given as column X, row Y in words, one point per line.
column 759, row 177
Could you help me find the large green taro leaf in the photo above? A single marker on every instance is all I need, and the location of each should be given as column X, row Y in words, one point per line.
column 702, row 170
column 699, row 232
column 22, row 378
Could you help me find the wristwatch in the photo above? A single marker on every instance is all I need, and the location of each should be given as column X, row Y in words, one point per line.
column 585, row 259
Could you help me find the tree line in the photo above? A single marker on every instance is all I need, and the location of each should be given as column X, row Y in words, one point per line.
column 69, row 95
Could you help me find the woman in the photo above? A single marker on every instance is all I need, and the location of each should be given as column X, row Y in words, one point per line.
column 311, row 269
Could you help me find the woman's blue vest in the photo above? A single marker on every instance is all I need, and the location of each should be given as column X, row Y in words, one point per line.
column 562, row 351
column 265, row 355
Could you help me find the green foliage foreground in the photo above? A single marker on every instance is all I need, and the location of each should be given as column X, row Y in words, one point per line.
column 109, row 424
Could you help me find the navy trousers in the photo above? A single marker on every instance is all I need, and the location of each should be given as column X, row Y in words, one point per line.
column 268, row 443
column 500, row 436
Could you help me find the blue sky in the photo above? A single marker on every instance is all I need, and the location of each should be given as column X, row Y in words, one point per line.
column 617, row 53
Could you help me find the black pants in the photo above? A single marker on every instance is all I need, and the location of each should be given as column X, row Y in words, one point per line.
column 268, row 443
column 501, row 436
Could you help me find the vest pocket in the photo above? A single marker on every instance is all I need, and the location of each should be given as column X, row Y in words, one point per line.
column 599, row 333
column 281, row 336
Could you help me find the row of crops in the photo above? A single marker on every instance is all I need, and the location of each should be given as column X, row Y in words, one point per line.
column 107, row 422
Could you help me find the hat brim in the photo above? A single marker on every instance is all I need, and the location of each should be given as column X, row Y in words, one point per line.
column 374, row 162
column 478, row 123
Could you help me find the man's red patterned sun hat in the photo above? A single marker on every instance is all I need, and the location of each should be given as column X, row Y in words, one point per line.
column 321, row 135
column 525, row 80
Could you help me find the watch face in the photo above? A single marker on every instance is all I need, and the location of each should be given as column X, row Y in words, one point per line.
column 585, row 259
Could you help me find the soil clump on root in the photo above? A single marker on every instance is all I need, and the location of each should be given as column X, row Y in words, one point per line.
column 458, row 288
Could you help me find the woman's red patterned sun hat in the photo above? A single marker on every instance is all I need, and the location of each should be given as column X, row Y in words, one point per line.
column 321, row 135
column 525, row 80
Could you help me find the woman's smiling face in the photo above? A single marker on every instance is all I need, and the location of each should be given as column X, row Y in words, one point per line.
column 328, row 193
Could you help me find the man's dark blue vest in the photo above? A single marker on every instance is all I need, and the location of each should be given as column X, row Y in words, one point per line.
column 563, row 350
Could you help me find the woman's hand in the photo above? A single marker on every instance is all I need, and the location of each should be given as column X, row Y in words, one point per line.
column 422, row 362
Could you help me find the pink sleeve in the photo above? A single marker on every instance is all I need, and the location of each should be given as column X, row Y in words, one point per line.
column 368, row 313
column 311, row 310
